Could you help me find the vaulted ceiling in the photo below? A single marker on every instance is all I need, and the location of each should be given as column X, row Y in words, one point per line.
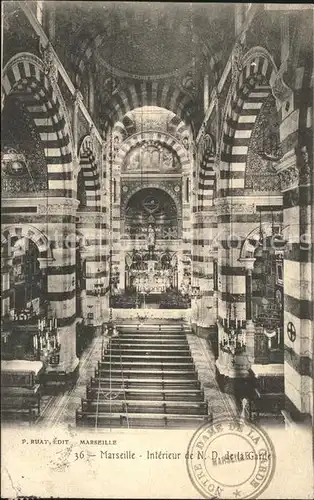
column 127, row 43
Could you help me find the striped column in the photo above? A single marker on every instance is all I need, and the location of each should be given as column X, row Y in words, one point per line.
column 204, row 234
column 239, row 221
column 61, row 281
column 298, row 286
column 92, row 230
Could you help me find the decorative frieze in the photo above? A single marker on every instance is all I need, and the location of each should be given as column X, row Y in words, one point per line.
column 237, row 61
column 305, row 170
column 58, row 206
column 288, row 171
column 289, row 178
column 90, row 218
column 226, row 207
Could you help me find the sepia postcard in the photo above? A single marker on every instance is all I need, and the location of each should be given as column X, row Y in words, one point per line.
column 157, row 228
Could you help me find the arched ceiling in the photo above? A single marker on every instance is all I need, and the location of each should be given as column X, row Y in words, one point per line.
column 151, row 118
column 145, row 39
column 133, row 42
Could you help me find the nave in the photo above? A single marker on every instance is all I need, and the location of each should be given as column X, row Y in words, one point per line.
column 153, row 173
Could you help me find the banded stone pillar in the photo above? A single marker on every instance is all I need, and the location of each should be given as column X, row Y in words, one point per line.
column 295, row 173
column 61, row 277
column 91, row 230
column 204, row 232
column 235, row 219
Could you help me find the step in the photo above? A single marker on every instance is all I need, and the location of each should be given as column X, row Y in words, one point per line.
column 146, row 350
column 142, row 402
column 145, row 372
column 144, row 407
column 149, row 374
column 135, row 384
column 146, row 364
column 105, row 392
column 138, row 419
column 150, row 338
column 151, row 358
column 156, row 327
column 117, row 344
column 154, row 333
column 103, row 376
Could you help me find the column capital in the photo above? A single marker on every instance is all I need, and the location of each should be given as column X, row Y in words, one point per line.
column 248, row 262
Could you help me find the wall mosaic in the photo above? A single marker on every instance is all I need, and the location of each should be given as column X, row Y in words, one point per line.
column 26, row 172
column 171, row 186
column 151, row 156
column 260, row 174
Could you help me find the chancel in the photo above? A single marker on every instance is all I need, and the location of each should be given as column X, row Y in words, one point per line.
column 157, row 214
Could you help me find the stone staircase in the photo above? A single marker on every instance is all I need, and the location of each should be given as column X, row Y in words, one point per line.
column 146, row 378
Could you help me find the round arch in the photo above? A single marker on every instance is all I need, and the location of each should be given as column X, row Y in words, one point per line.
column 252, row 240
column 258, row 78
column 25, row 77
column 163, row 138
column 32, row 233
column 163, row 95
column 154, row 185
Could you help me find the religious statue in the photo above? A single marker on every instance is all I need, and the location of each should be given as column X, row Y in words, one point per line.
column 167, row 159
column 150, row 240
column 134, row 161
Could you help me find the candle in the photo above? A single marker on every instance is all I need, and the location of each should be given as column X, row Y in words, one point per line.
column 56, row 322
column 39, row 324
column 50, row 324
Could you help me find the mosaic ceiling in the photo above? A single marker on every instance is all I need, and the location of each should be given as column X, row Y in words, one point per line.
column 144, row 39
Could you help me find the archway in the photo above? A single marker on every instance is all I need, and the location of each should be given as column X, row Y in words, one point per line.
column 151, row 207
column 26, row 79
column 26, row 331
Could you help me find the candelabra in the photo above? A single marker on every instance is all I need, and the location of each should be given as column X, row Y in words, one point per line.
column 99, row 287
column 233, row 341
column 46, row 341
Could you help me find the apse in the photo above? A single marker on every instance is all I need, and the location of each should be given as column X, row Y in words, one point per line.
column 155, row 207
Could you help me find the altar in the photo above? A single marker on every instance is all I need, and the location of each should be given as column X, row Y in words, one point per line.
column 152, row 281
column 152, row 272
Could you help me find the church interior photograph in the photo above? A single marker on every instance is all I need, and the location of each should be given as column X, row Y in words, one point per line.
column 157, row 214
